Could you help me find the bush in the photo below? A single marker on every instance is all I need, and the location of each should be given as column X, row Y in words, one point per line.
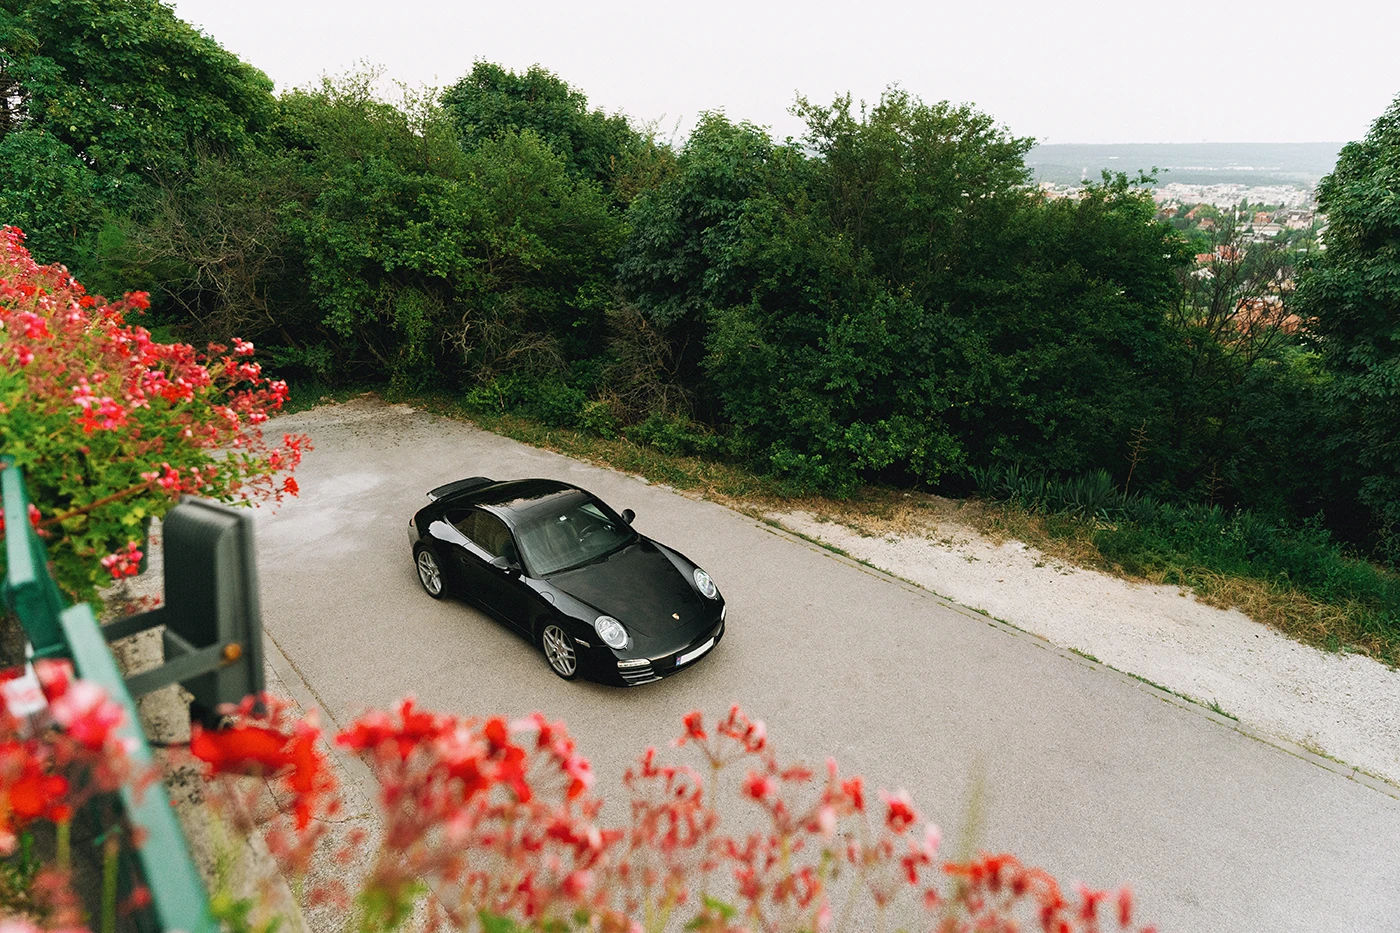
column 676, row 436
column 550, row 400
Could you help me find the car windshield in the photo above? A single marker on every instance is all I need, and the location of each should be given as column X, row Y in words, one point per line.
column 570, row 534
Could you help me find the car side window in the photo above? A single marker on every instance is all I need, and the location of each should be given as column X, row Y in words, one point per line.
column 484, row 530
column 464, row 520
column 492, row 535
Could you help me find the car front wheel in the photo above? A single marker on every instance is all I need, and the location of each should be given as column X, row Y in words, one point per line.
column 559, row 651
column 429, row 572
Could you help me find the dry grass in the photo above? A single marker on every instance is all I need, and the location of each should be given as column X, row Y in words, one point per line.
column 1332, row 627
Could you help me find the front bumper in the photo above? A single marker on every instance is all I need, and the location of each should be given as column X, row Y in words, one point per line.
column 647, row 670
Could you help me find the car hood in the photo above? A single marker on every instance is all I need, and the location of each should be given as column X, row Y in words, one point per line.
column 640, row 587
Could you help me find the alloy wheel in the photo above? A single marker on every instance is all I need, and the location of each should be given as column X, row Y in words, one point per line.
column 559, row 651
column 428, row 573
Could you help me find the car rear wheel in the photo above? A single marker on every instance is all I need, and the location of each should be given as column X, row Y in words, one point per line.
column 429, row 572
column 559, row 651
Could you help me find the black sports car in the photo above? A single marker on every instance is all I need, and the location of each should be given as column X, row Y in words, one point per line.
column 570, row 573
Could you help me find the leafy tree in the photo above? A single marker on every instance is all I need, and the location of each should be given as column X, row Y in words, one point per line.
column 676, row 260
column 366, row 224
column 1066, row 303
column 916, row 186
column 1350, row 294
column 213, row 246
column 424, row 261
column 125, row 85
column 490, row 101
column 546, row 243
column 1243, row 366
column 48, row 192
column 899, row 304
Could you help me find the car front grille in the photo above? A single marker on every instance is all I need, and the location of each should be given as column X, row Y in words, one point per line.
column 638, row 675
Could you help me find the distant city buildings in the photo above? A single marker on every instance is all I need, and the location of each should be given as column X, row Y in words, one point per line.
column 1259, row 213
column 1298, row 199
column 1227, row 196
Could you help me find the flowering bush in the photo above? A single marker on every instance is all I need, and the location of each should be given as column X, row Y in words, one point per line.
column 64, row 756
column 500, row 822
column 111, row 426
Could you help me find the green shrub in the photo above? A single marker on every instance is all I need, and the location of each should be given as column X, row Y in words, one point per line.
column 550, row 400
column 597, row 416
column 676, row 436
column 1180, row 541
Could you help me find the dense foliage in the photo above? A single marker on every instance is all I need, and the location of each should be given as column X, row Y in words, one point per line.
column 1351, row 292
column 885, row 298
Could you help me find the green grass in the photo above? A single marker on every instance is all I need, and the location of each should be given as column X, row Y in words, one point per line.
column 1214, row 707
column 1295, row 579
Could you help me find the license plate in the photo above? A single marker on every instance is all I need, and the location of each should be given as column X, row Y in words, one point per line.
column 694, row 653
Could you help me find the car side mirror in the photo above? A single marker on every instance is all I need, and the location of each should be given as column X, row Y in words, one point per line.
column 504, row 563
column 628, row 515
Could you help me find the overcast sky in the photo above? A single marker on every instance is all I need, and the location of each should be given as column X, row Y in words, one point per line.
column 1064, row 72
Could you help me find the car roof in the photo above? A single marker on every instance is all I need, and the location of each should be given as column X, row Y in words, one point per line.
column 513, row 499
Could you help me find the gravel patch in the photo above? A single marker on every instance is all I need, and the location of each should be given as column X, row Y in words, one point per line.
column 1342, row 706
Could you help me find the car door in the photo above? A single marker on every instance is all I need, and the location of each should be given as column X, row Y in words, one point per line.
column 499, row 590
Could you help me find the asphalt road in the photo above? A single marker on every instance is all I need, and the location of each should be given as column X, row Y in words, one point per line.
column 1084, row 771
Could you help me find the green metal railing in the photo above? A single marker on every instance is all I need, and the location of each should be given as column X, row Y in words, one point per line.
column 179, row 900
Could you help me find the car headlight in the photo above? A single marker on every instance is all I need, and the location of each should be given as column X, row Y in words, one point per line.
column 704, row 584
column 611, row 631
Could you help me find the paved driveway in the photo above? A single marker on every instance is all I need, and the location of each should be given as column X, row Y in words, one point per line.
column 1084, row 771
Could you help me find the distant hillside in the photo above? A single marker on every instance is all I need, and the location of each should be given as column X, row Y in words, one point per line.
column 1301, row 164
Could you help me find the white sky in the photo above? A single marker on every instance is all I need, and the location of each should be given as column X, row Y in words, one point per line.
column 1063, row 71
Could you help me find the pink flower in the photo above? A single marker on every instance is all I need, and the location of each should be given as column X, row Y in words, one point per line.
column 124, row 563
column 87, row 714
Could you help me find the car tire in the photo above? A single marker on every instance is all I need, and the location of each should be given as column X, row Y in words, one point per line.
column 559, row 651
column 430, row 573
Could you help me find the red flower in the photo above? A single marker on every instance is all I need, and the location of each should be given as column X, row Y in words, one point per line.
column 124, row 563
column 855, row 792
column 139, row 899
column 1089, row 902
column 87, row 714
column 694, row 727
column 241, row 749
column 759, row 786
column 309, row 778
column 496, row 733
column 289, row 486
column 581, row 774
column 37, row 794
column 899, row 813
